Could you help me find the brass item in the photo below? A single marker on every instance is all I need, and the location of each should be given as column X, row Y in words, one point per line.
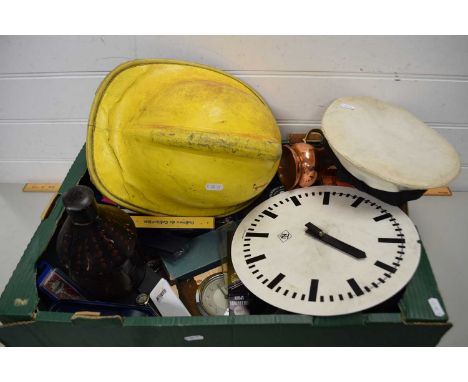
column 41, row 187
column 439, row 191
column 328, row 177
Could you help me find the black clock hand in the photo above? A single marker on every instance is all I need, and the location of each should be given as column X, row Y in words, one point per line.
column 316, row 232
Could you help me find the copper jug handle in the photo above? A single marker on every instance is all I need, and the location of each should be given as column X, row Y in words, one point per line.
column 317, row 142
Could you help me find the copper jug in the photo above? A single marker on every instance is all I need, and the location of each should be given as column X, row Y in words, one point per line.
column 297, row 166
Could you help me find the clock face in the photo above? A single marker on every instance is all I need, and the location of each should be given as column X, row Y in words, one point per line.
column 211, row 296
column 325, row 250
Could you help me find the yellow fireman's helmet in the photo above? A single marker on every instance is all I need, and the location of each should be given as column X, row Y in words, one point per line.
column 177, row 138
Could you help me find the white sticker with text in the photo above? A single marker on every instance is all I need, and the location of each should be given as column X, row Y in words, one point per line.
column 167, row 302
column 214, row 187
column 347, row 106
column 436, row 307
column 196, row 337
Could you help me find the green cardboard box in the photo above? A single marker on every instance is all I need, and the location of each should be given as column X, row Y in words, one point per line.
column 416, row 323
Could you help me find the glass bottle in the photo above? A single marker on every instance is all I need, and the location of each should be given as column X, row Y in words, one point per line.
column 97, row 247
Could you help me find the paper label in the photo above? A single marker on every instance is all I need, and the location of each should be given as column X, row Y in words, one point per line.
column 166, row 301
column 173, row 222
column 347, row 106
column 436, row 307
column 214, row 187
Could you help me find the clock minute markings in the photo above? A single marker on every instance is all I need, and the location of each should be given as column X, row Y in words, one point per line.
column 357, row 202
column 276, row 281
column 383, row 217
column 355, row 287
column 257, row 234
column 269, row 214
column 391, row 240
column 313, row 290
column 385, row 267
column 326, row 198
column 255, row 259
column 295, row 201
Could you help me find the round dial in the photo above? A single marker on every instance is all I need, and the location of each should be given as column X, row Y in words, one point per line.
column 212, row 296
column 325, row 250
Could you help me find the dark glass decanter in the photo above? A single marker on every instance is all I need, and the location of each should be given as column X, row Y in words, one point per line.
column 97, row 247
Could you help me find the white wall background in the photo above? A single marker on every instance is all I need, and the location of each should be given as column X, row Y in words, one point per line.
column 47, row 85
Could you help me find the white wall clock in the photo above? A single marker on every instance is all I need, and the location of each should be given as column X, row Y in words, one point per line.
column 325, row 250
